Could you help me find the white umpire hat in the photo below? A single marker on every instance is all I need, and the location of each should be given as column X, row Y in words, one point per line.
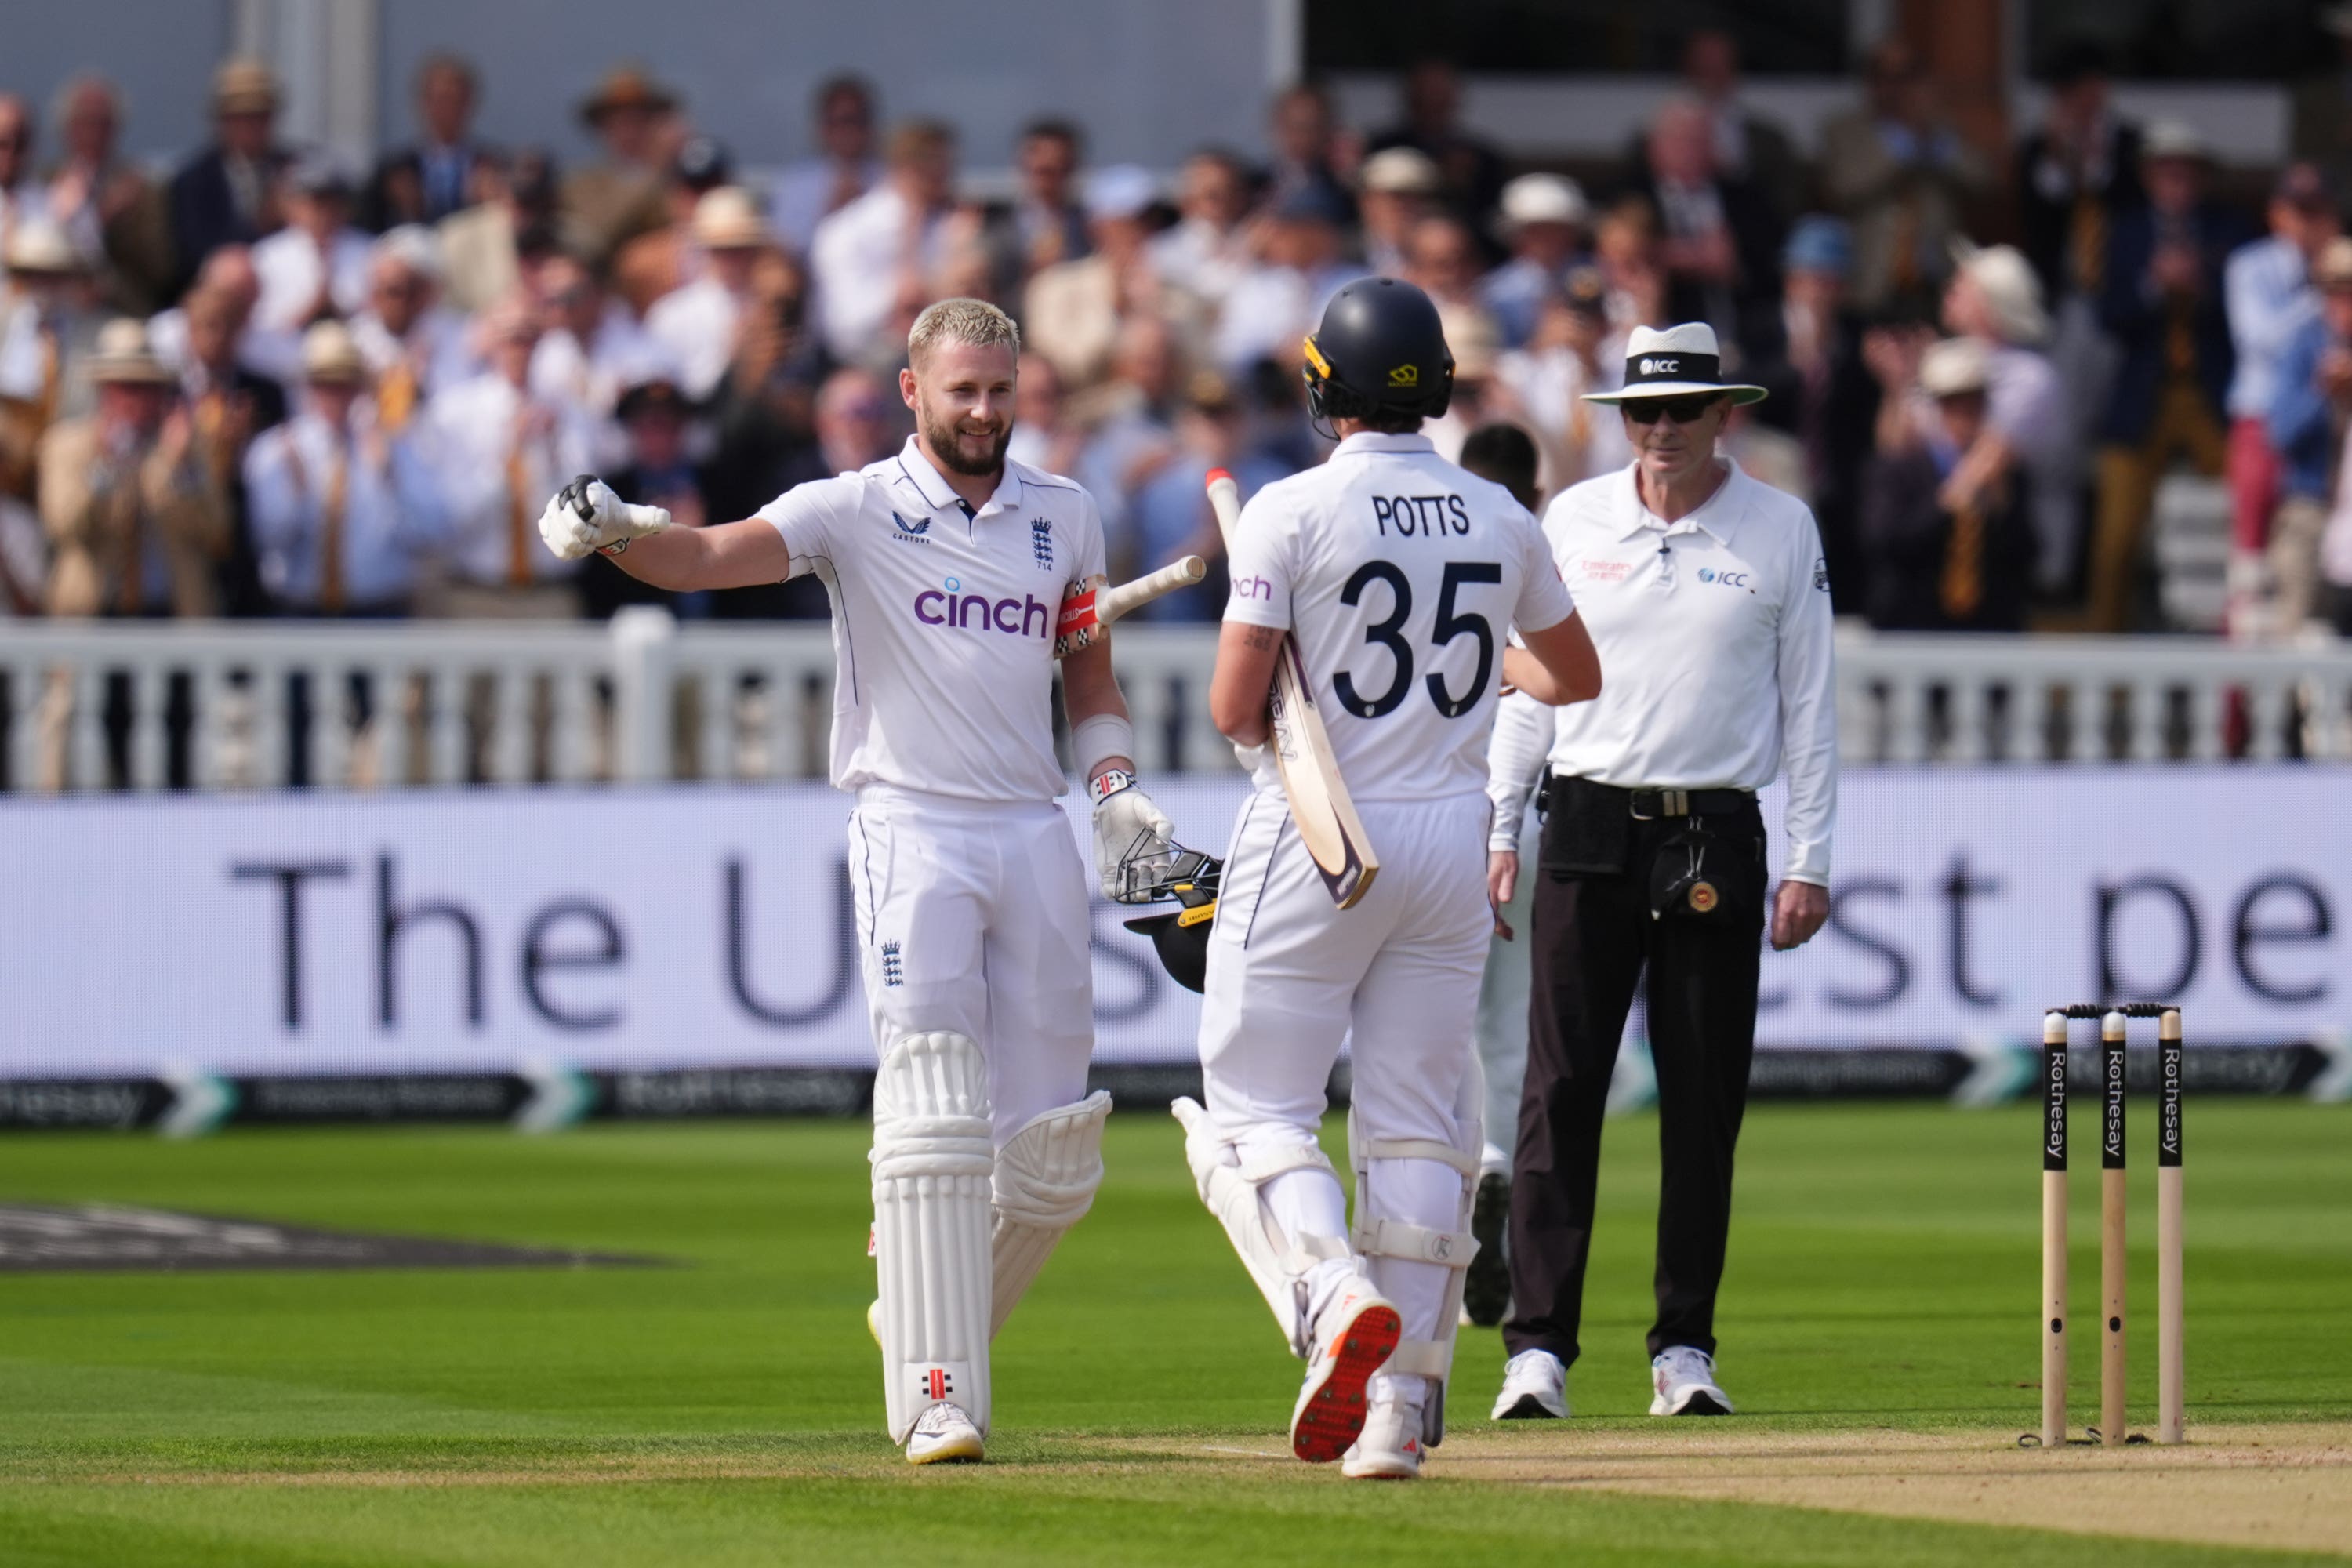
column 1682, row 361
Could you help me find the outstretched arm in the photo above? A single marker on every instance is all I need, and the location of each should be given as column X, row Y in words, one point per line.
column 585, row 516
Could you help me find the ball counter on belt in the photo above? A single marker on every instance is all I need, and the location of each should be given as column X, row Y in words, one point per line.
column 1703, row 898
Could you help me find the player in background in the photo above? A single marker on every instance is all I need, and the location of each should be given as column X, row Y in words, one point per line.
column 1506, row 455
column 946, row 563
column 1401, row 576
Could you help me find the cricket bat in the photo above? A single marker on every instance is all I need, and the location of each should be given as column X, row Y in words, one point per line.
column 1087, row 611
column 1320, row 802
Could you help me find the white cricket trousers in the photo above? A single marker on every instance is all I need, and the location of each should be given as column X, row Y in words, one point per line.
column 972, row 916
column 1290, row 977
column 1502, row 1006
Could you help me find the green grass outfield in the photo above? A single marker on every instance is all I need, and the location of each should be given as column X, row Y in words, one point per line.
column 1883, row 1274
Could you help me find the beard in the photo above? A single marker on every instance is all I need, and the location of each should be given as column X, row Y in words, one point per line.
column 946, row 443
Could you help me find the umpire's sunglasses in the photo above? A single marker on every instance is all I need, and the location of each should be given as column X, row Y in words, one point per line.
column 1681, row 410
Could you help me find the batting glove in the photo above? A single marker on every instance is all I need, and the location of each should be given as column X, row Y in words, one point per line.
column 1134, row 840
column 586, row 516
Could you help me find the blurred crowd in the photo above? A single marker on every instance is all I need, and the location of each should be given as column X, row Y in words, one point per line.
column 274, row 385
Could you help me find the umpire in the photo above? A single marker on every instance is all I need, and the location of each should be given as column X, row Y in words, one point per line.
column 1706, row 593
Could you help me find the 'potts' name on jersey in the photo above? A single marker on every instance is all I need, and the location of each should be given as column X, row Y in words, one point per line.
column 1423, row 516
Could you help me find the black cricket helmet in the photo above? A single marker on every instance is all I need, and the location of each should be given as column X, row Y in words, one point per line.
column 1181, row 935
column 1380, row 349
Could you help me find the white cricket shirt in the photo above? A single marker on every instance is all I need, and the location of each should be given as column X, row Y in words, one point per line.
column 943, row 622
column 1717, row 662
column 1399, row 576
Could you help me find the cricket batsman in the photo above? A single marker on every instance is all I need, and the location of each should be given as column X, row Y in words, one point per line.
column 1401, row 576
column 947, row 565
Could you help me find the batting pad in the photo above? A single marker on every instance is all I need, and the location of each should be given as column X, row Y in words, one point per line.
column 933, row 1160
column 1232, row 1187
column 1391, row 1246
column 1045, row 1178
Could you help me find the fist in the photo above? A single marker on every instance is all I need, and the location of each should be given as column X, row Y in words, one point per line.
column 586, row 516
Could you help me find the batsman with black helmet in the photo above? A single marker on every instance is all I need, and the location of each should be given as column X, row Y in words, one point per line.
column 1401, row 577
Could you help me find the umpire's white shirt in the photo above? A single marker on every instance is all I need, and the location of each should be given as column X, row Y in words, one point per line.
column 1716, row 651
column 1399, row 576
column 943, row 622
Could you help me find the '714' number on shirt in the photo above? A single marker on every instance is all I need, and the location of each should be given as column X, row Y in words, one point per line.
column 1389, row 633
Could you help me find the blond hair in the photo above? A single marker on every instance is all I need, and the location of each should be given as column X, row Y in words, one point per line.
column 974, row 322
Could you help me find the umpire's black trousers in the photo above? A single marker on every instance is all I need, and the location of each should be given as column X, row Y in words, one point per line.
column 1593, row 938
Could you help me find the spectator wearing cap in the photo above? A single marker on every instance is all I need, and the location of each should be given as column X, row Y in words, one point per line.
column 656, row 469
column 653, row 265
column 135, row 526
column 842, row 168
column 879, row 249
column 48, row 328
column 1895, row 169
column 1572, row 351
column 695, row 326
column 1308, row 152
column 414, row 344
column 340, row 508
column 1719, row 240
column 1929, row 562
column 1397, row 187
column 1469, row 169
column 614, row 200
column 500, row 451
column 1207, row 250
column 1748, row 147
column 1046, row 223
column 433, row 177
column 2307, row 422
column 1807, row 349
column 317, row 265
column 1994, row 298
column 95, row 191
column 1543, row 221
column 226, row 194
column 1277, row 302
column 2266, row 289
column 591, row 351
column 2164, row 311
column 1073, row 309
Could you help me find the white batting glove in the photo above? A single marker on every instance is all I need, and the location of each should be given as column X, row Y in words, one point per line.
column 1134, row 840
column 586, row 516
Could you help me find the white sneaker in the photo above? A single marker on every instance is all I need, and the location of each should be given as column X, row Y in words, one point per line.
column 943, row 1435
column 1389, row 1449
column 1685, row 1381
column 1535, row 1385
column 1352, row 1335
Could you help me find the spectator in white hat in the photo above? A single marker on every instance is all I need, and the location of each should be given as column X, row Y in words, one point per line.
column 695, row 325
column 1930, row 565
column 317, row 265
column 1398, row 188
column 1543, row 221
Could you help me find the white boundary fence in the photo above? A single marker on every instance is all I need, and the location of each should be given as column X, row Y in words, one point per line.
column 246, row 705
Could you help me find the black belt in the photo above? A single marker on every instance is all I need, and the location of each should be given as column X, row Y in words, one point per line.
column 1648, row 803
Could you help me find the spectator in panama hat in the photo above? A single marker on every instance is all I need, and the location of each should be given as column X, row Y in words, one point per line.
column 226, row 194
column 612, row 201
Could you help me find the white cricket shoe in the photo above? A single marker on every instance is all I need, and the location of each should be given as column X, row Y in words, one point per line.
column 1389, row 1448
column 1535, row 1385
column 1685, row 1381
column 1353, row 1335
column 943, row 1435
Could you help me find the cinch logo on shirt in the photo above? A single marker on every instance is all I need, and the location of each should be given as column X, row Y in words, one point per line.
column 950, row 606
column 910, row 533
column 1253, row 588
column 1729, row 579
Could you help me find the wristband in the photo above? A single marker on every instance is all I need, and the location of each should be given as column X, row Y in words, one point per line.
column 1108, row 783
column 1096, row 740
